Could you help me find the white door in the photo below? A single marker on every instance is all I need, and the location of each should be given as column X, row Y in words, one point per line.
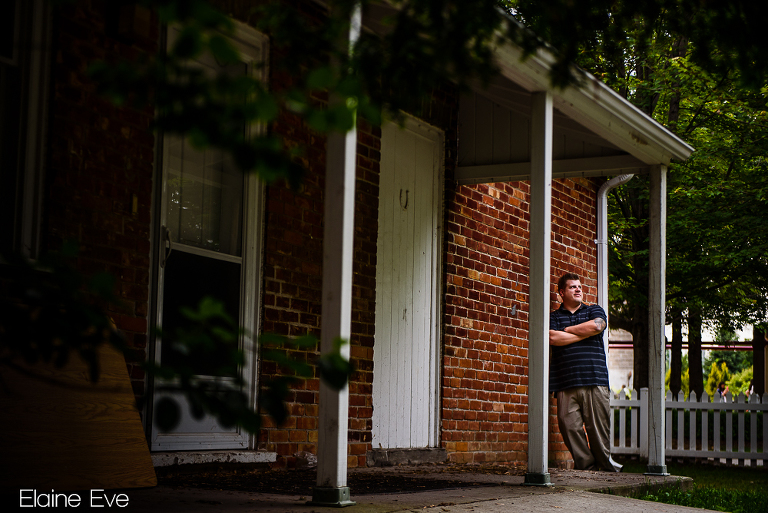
column 406, row 350
column 211, row 224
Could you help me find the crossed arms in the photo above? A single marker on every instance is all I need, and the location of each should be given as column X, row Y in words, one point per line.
column 576, row 333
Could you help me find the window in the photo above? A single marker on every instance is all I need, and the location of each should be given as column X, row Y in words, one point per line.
column 210, row 218
column 25, row 40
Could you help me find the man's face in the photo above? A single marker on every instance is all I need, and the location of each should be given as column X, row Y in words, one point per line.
column 571, row 294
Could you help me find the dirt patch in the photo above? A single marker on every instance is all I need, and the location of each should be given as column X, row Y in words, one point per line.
column 361, row 481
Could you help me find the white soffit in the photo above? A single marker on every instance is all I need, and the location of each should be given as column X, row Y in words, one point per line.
column 596, row 107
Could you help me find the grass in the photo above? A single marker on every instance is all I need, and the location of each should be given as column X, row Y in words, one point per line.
column 717, row 499
column 719, row 488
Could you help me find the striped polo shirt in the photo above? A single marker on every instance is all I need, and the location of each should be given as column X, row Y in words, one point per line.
column 582, row 363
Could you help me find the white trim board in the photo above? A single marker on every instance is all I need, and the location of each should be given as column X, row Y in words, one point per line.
column 566, row 168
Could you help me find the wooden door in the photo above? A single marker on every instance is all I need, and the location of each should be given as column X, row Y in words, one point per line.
column 406, row 352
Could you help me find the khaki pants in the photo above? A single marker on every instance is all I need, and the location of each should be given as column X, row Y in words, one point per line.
column 588, row 407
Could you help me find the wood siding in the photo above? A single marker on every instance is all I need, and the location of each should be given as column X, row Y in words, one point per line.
column 497, row 131
column 405, row 347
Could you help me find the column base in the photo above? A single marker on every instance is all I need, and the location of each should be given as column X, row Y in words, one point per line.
column 331, row 497
column 537, row 479
column 657, row 470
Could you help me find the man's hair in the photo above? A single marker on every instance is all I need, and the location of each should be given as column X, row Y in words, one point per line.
column 565, row 279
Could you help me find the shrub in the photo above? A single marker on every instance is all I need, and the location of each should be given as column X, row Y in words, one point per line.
column 717, row 375
column 739, row 382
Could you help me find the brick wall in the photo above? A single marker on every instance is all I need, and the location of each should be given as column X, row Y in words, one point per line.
column 574, row 207
column 293, row 285
column 103, row 155
column 293, row 244
column 293, row 271
column 484, row 416
column 293, row 274
column 485, row 354
column 485, row 348
column 364, row 291
column 101, row 159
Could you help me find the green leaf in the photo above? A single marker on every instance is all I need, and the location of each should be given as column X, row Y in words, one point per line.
column 318, row 120
column 167, row 414
column 189, row 43
column 321, row 78
column 196, row 406
column 267, row 107
column 103, row 284
column 335, row 370
column 223, row 51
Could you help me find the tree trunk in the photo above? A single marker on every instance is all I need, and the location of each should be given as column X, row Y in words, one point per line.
column 679, row 49
column 646, row 97
column 640, row 244
column 676, row 360
column 694, row 352
column 758, row 360
column 640, row 347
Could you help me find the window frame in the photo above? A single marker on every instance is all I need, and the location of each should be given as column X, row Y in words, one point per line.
column 34, row 21
column 255, row 46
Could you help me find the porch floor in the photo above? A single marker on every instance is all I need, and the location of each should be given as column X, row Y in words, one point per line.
column 445, row 487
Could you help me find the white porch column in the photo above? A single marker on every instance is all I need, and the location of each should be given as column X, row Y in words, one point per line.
column 539, row 301
column 338, row 233
column 656, row 305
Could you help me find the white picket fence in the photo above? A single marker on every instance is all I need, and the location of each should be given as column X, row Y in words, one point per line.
column 708, row 444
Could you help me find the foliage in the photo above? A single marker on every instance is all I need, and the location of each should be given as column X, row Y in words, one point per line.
column 714, row 207
column 678, row 64
column 717, row 374
column 430, row 42
column 208, row 348
column 48, row 311
column 724, row 35
column 684, row 380
column 209, row 111
column 332, row 367
column 426, row 44
column 740, row 381
column 716, row 201
column 736, row 361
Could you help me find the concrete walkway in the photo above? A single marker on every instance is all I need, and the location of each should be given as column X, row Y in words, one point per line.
column 573, row 491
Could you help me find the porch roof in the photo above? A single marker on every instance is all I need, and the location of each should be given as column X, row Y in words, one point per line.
column 597, row 107
column 617, row 137
column 596, row 132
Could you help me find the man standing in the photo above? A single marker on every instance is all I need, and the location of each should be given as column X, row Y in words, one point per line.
column 578, row 376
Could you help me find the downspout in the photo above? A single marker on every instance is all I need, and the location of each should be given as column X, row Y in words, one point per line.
column 602, row 242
